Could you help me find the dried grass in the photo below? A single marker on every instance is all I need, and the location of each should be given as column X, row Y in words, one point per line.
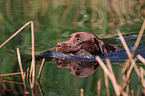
column 40, row 69
column 2, row 75
column 3, row 82
column 19, row 58
column 81, row 92
column 141, row 58
column 107, row 84
column 127, row 69
column 99, row 88
column 21, row 69
column 116, row 86
column 15, row 34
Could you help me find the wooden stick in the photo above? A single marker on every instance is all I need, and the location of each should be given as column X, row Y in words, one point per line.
column 25, row 88
column 141, row 58
column 142, row 77
column 31, row 69
column 12, row 81
column 3, row 82
column 127, row 63
column 127, row 51
column 143, row 81
column 99, row 88
column 32, row 91
column 10, row 74
column 40, row 69
column 109, row 66
column 106, row 78
column 40, row 88
column 27, row 73
column 138, row 38
column 132, row 92
column 131, row 68
column 137, row 70
column 15, row 34
column 124, row 44
column 106, row 84
column 117, row 88
column 20, row 64
column 127, row 88
column 128, row 74
column 33, row 54
column 81, row 92
column 103, row 66
column 21, row 69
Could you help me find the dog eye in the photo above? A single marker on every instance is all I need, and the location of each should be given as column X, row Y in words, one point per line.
column 78, row 39
column 78, row 69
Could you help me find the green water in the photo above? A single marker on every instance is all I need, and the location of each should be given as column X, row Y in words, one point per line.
column 54, row 21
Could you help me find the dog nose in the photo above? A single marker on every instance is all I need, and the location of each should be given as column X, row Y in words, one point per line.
column 59, row 45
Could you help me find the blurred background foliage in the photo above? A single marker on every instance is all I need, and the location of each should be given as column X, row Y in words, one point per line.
column 63, row 16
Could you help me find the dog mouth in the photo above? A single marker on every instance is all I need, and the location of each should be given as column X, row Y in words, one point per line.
column 67, row 49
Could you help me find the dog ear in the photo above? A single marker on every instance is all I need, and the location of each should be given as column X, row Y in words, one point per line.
column 105, row 47
column 100, row 45
column 112, row 48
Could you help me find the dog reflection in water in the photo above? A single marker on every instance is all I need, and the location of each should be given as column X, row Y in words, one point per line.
column 78, row 68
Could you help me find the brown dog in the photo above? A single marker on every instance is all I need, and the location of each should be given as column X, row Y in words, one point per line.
column 87, row 41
